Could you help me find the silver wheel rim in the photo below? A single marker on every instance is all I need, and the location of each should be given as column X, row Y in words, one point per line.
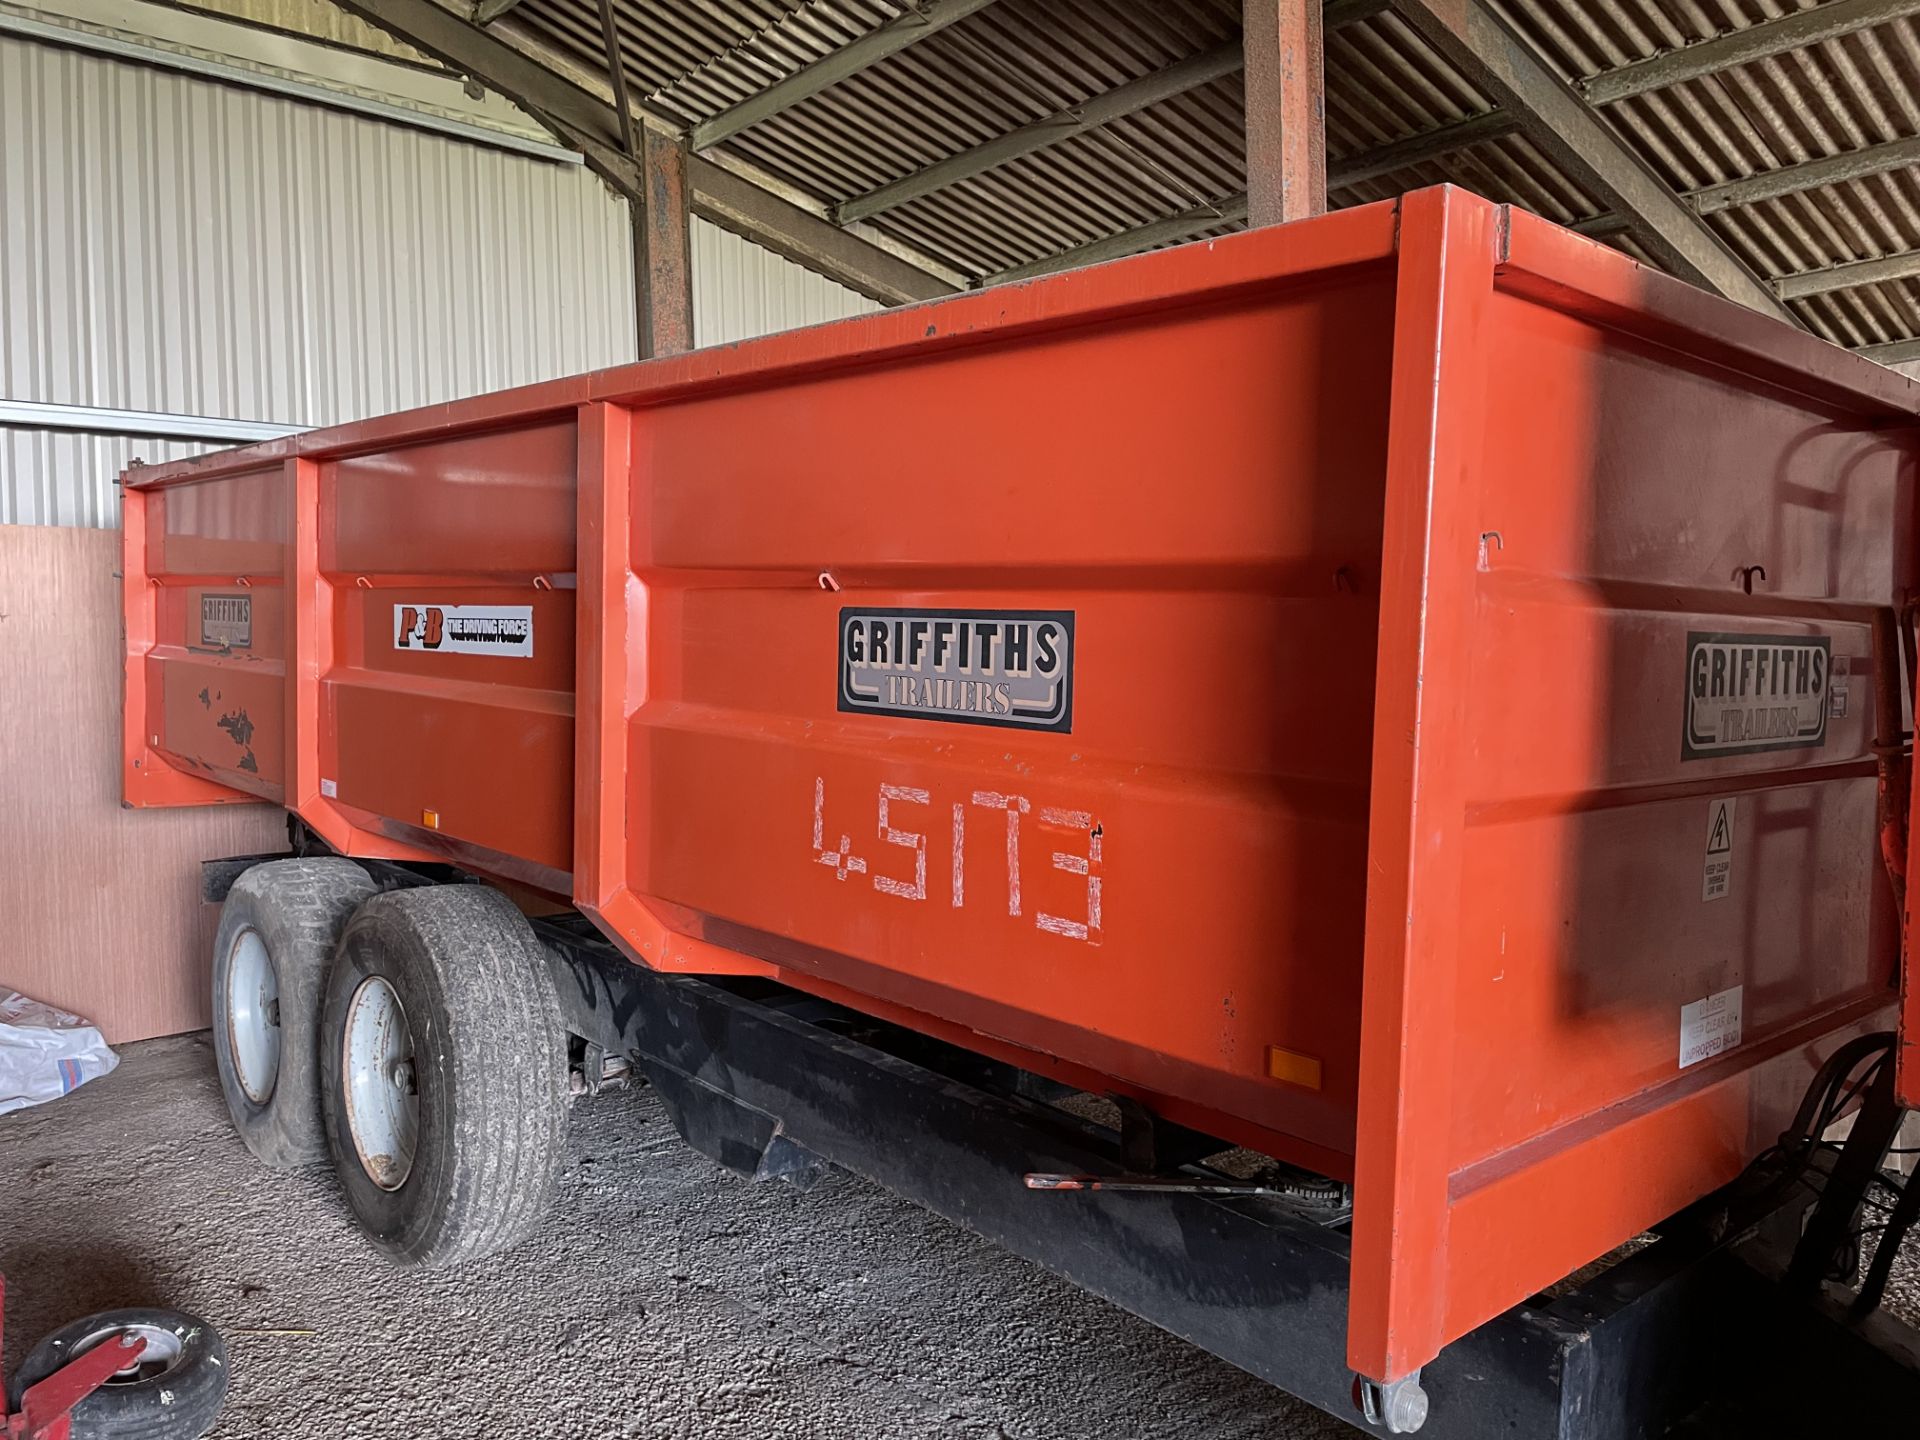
column 383, row 1102
column 253, row 1015
column 163, row 1352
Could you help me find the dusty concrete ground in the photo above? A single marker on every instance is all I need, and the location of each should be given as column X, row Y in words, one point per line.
column 664, row 1299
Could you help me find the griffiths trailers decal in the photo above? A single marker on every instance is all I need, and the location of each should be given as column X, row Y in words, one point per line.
column 465, row 629
column 973, row 667
column 226, row 621
column 1747, row 693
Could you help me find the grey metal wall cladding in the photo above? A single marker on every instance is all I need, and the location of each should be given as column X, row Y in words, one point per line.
column 177, row 245
column 741, row 290
column 50, row 477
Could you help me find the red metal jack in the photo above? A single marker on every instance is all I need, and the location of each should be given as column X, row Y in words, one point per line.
column 46, row 1410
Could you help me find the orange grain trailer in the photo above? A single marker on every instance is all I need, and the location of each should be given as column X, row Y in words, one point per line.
column 1410, row 694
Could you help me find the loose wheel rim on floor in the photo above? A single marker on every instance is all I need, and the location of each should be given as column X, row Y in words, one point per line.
column 161, row 1355
column 383, row 1102
column 253, row 1015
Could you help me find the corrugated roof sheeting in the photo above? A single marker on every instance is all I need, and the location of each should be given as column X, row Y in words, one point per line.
column 1385, row 84
column 1018, row 61
column 1009, row 65
column 692, row 61
column 1841, row 95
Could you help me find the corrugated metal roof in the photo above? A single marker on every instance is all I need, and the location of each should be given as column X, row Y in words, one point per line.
column 1015, row 62
column 1840, row 95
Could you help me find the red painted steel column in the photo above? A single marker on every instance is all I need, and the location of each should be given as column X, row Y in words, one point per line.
column 1286, row 110
column 662, row 249
column 662, row 265
column 1906, row 1050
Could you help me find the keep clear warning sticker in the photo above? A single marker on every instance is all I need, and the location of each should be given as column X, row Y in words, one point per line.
column 1716, row 879
column 1709, row 1026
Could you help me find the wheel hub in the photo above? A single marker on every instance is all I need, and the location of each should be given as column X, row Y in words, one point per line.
column 162, row 1353
column 382, row 1099
column 253, row 1015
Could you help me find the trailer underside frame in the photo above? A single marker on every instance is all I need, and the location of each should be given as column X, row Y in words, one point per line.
column 1697, row 1330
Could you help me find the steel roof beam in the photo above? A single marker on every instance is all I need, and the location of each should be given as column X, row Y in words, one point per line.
column 806, row 211
column 456, row 43
column 1419, row 149
column 1348, row 12
column 1809, row 175
column 589, row 125
column 1071, row 120
column 1130, row 242
column 1063, row 124
column 1742, row 47
column 1557, row 121
column 662, row 244
column 1602, row 226
column 909, row 28
column 1367, row 165
column 735, row 203
column 1897, row 352
column 1902, row 266
column 485, row 12
column 1788, row 180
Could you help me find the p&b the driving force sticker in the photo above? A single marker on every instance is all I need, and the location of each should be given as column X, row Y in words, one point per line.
column 465, row 629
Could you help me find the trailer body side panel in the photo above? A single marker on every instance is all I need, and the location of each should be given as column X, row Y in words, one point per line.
column 1397, row 691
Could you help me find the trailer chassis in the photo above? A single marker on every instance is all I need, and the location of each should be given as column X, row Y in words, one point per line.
column 1729, row 1316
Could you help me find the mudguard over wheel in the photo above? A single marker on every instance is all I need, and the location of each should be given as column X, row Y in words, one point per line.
column 444, row 1082
column 276, row 939
column 173, row 1391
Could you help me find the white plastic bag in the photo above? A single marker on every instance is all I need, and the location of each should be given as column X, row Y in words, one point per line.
column 45, row 1052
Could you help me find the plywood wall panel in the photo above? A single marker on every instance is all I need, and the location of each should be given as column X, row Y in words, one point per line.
column 100, row 908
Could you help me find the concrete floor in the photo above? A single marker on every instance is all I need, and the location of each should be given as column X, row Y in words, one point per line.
column 664, row 1299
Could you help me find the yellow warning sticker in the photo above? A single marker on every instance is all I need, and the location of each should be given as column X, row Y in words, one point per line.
column 1716, row 880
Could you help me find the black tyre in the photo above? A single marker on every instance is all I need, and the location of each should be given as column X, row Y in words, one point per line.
column 444, row 1083
column 173, row 1392
column 276, row 939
